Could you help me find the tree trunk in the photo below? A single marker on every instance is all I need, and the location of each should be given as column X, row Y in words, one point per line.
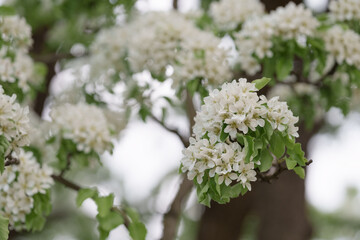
column 280, row 206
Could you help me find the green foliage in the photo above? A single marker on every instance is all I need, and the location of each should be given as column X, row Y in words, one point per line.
column 4, row 230
column 68, row 153
column 262, row 82
column 277, row 145
column 4, row 145
column 35, row 220
column 84, row 194
column 210, row 189
column 7, row 11
column 266, row 161
column 300, row 172
column 223, row 134
column 205, row 4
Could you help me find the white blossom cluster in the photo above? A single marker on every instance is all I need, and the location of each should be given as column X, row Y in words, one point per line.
column 156, row 40
column 86, row 125
column 343, row 45
column 228, row 14
column 15, row 63
column 14, row 29
column 289, row 22
column 18, row 184
column 167, row 39
column 201, row 57
column 14, row 122
column 344, row 10
column 21, row 68
column 108, row 51
column 237, row 105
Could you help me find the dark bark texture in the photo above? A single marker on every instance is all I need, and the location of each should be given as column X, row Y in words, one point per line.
column 279, row 206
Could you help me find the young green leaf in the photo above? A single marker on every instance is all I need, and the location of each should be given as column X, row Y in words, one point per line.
column 84, row 194
column 104, row 204
column 290, row 163
column 260, row 83
column 223, row 135
column 110, row 221
column 266, row 161
column 277, row 145
column 4, row 228
column 137, row 231
column 4, row 144
column 300, row 172
column 249, row 148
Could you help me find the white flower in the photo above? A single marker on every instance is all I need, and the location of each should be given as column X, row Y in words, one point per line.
column 155, row 40
column 228, row 14
column 15, row 29
column 18, row 185
column 14, row 121
column 345, row 9
column 343, row 45
column 86, row 125
column 201, row 57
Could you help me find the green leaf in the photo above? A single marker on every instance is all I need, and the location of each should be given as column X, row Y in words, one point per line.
column 4, row 228
column 4, row 145
column 266, row 160
column 290, row 163
column 132, row 214
column 249, row 147
column 260, row 83
column 84, row 194
column 277, row 145
column 144, row 111
column 34, row 221
column 300, row 172
column 268, row 64
column 137, row 231
column 192, row 86
column 7, row 11
column 110, row 221
column 283, row 66
column 104, row 204
column 268, row 130
column 223, row 135
column 240, row 139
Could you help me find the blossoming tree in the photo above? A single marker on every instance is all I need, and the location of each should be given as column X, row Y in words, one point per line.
column 252, row 105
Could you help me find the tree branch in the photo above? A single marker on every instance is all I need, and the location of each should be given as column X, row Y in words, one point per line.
column 77, row 188
column 184, row 140
column 280, row 167
column 171, row 218
column 175, row 4
column 11, row 161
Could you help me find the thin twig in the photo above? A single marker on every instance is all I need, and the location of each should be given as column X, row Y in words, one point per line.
column 263, row 177
column 77, row 188
column 68, row 163
column 184, row 140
